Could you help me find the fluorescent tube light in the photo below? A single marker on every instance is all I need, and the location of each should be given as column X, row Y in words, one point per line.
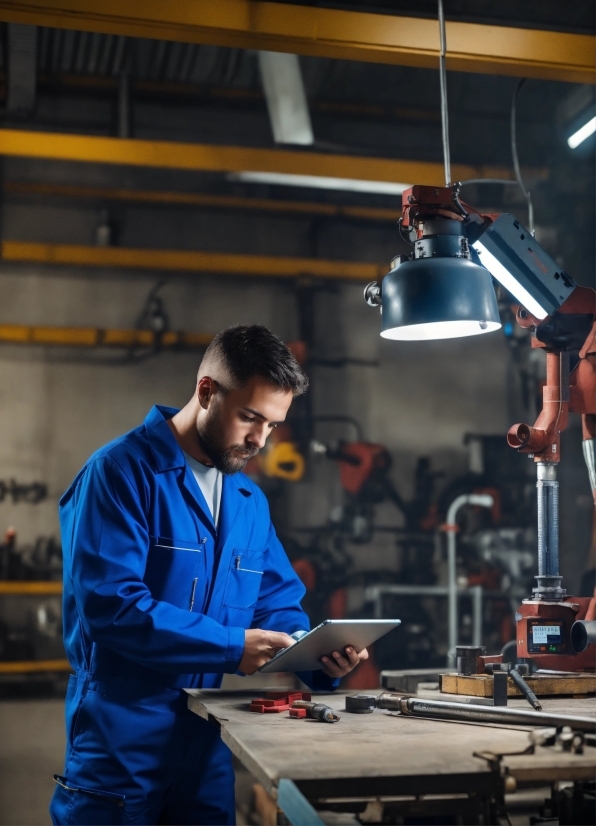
column 319, row 182
column 504, row 277
column 582, row 134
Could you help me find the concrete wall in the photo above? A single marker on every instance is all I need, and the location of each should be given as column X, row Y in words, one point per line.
column 60, row 405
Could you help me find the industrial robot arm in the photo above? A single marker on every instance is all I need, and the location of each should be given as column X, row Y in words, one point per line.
column 442, row 290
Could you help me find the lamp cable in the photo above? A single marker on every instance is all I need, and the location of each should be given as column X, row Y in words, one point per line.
column 519, row 181
column 444, row 109
column 515, row 156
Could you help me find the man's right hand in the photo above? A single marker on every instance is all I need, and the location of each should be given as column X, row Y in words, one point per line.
column 260, row 646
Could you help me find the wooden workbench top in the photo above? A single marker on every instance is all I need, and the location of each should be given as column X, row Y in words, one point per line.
column 379, row 753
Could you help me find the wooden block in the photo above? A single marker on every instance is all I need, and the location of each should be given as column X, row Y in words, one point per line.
column 298, row 712
column 543, row 685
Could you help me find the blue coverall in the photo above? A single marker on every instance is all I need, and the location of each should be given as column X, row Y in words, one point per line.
column 157, row 600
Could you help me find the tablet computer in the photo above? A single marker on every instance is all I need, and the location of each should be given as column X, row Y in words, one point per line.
column 329, row 636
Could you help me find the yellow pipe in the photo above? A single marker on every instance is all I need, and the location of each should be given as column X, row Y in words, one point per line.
column 211, row 158
column 193, row 199
column 18, row 588
column 189, row 261
column 96, row 337
column 323, row 32
column 33, row 666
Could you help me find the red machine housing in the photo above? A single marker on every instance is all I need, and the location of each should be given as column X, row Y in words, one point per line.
column 568, row 611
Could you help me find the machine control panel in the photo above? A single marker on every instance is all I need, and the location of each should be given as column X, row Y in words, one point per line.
column 547, row 637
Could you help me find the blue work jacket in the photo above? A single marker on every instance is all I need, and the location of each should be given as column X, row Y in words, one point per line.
column 152, row 591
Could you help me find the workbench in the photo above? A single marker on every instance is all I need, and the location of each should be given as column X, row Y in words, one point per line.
column 411, row 764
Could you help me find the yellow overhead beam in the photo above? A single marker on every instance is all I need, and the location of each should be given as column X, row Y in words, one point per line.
column 189, row 261
column 211, row 158
column 96, row 337
column 322, row 32
column 200, row 200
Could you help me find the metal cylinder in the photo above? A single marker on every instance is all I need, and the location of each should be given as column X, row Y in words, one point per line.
column 361, row 703
column 467, row 658
column 439, row 709
column 583, row 634
column 548, row 579
column 589, row 448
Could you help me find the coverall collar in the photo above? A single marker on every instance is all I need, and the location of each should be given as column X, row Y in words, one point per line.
column 166, row 450
column 168, row 456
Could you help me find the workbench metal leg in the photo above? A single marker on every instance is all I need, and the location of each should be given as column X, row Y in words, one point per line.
column 295, row 806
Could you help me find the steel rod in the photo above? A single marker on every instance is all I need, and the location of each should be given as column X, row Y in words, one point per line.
column 481, row 714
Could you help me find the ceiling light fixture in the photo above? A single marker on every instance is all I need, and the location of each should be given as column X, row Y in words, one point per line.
column 319, row 182
column 582, row 134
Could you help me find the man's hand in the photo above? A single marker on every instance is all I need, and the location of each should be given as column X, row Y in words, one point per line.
column 260, row 646
column 338, row 665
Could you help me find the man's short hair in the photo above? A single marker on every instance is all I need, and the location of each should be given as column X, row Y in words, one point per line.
column 253, row 350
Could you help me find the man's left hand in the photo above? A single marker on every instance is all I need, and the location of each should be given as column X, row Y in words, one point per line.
column 338, row 665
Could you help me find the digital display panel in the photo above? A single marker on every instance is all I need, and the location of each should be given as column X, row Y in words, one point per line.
column 546, row 634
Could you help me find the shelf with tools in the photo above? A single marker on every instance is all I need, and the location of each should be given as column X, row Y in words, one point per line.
column 19, row 588
column 26, row 588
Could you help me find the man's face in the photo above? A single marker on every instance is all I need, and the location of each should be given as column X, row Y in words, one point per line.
column 233, row 425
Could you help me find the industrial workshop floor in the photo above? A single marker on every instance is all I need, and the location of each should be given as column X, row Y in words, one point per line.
column 32, row 751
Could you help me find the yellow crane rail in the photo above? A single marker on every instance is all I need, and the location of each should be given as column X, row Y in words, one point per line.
column 212, row 158
column 97, row 337
column 200, row 201
column 323, row 32
column 189, row 261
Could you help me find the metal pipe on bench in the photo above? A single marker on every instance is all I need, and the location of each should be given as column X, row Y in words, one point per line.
column 440, row 709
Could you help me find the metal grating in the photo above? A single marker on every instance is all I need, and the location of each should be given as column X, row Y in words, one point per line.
column 70, row 52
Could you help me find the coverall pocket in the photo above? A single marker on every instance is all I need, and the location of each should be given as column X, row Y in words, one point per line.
column 174, row 571
column 73, row 804
column 244, row 579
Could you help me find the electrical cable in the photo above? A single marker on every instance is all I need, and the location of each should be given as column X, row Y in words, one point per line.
column 403, row 237
column 444, row 109
column 518, row 176
column 488, row 181
column 515, row 157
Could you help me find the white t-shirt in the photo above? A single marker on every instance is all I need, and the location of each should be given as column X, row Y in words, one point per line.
column 209, row 479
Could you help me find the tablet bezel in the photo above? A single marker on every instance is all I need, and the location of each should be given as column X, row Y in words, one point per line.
column 331, row 632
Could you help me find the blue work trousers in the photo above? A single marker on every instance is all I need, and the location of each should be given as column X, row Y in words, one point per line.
column 136, row 754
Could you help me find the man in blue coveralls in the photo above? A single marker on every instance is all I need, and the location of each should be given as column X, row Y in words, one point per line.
column 174, row 576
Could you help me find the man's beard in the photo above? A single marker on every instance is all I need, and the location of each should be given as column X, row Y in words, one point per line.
column 224, row 458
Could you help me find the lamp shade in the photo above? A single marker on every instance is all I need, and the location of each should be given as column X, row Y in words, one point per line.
column 435, row 298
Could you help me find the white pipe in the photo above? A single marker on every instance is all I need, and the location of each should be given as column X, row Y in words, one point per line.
column 480, row 500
